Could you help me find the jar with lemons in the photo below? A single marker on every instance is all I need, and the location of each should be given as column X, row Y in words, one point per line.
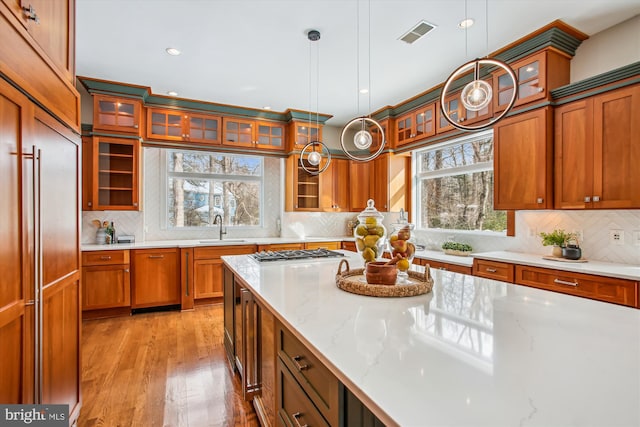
column 370, row 233
column 402, row 246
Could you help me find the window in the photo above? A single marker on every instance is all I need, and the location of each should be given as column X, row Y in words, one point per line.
column 202, row 185
column 454, row 188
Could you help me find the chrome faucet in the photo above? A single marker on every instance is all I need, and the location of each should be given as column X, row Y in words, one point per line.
column 217, row 220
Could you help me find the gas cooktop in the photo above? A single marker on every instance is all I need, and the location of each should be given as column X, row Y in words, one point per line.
column 294, row 254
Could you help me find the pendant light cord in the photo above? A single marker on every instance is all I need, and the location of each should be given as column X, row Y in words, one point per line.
column 369, row 49
column 358, row 55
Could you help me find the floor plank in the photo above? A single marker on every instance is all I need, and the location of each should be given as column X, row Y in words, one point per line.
column 160, row 369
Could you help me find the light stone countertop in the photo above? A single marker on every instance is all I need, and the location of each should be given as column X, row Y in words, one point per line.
column 473, row 352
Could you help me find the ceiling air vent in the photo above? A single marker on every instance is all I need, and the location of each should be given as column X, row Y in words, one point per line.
column 419, row 30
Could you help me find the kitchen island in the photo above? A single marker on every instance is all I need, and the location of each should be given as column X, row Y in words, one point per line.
column 473, row 352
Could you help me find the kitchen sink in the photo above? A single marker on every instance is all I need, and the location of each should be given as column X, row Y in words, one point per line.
column 223, row 241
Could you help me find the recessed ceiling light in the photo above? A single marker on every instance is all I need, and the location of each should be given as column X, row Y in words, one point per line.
column 172, row 51
column 266, row 107
column 466, row 23
column 364, row 90
column 172, row 93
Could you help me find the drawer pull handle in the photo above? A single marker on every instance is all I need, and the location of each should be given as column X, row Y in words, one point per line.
column 295, row 418
column 564, row 282
column 156, row 256
column 492, row 270
column 105, row 257
column 296, row 362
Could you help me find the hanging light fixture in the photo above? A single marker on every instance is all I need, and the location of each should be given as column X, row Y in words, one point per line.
column 477, row 94
column 315, row 151
column 362, row 139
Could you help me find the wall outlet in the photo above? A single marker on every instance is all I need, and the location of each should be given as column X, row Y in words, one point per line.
column 616, row 237
column 636, row 237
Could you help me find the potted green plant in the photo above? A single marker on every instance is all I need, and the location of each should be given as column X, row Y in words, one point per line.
column 557, row 238
column 455, row 248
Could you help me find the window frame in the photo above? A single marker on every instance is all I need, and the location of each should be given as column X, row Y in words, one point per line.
column 165, row 175
column 418, row 176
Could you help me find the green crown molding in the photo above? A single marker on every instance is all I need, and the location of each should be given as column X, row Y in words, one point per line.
column 629, row 73
column 95, row 86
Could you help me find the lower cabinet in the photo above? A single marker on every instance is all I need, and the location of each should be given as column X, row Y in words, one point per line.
column 495, row 270
column 156, row 278
column 608, row 289
column 105, row 281
column 438, row 265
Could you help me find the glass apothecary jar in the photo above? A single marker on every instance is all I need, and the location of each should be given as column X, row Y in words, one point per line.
column 402, row 245
column 370, row 233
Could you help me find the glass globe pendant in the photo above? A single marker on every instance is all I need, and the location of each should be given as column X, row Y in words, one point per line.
column 314, row 158
column 362, row 139
column 477, row 94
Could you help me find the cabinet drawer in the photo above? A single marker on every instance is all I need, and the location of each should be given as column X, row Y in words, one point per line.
column 105, row 257
column 439, row 265
column 608, row 289
column 213, row 252
column 317, row 381
column 294, row 407
column 281, row 247
column 323, row 245
column 493, row 270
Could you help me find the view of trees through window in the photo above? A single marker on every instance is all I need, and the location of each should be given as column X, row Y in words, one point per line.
column 201, row 185
column 455, row 188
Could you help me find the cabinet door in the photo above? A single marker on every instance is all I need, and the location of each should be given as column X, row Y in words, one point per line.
column 334, row 186
column 389, row 182
column 229, row 316
column 302, row 188
column 522, row 161
column 116, row 114
column 115, row 174
column 105, row 287
column 404, row 129
column 87, row 173
column 238, row 133
column 207, row 278
column 267, row 357
column 155, row 278
column 202, row 128
column 269, row 136
column 359, row 185
column 302, row 133
column 616, row 134
column 425, row 119
column 456, row 111
column 165, row 124
column 573, row 181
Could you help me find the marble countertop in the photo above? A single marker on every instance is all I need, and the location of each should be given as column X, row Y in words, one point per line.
column 466, row 261
column 473, row 352
column 608, row 269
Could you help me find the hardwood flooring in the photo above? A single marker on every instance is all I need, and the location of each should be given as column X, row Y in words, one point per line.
column 160, row 369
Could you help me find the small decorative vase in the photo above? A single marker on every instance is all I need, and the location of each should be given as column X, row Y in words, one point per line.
column 556, row 251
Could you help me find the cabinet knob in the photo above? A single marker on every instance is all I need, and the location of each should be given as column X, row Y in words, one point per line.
column 126, row 270
column 135, row 204
column 492, row 270
column 30, row 13
column 587, row 199
column 596, row 198
column 540, row 89
column 540, row 200
column 135, row 126
column 89, row 204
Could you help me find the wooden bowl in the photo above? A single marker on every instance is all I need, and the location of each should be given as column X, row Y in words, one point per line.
column 379, row 273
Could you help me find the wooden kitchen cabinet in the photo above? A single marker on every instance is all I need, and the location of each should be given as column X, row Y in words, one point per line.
column 281, row 247
column 458, row 113
column 360, row 183
column 112, row 113
column 105, row 280
column 208, row 272
column 415, row 125
column 349, row 246
column 176, row 125
column 335, row 186
column 323, row 245
column 156, row 278
column 111, row 174
column 300, row 133
column 608, row 289
column 446, row 266
column 597, row 150
column 390, row 183
column 523, row 161
column 495, row 270
column 325, row 192
column 250, row 134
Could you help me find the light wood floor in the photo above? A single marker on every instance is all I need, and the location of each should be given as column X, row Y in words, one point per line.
column 160, row 369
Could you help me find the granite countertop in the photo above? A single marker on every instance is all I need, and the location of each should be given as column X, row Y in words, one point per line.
column 471, row 352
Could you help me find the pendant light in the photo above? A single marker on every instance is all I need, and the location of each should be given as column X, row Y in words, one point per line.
column 362, row 139
column 477, row 94
column 315, row 151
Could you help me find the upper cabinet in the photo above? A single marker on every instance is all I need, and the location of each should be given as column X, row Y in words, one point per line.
column 389, row 182
column 324, row 192
column 116, row 114
column 522, row 161
column 301, row 133
column 597, row 150
column 251, row 133
column 415, row 125
column 175, row 125
column 537, row 75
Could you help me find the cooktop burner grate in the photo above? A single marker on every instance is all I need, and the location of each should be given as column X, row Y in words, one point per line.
column 294, row 254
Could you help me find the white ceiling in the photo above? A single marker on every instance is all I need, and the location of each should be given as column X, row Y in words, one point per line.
column 255, row 53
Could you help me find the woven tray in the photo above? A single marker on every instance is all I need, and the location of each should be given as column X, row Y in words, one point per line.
column 354, row 281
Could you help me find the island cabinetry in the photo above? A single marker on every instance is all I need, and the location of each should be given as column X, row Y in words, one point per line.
column 112, row 113
column 156, row 278
column 105, row 281
column 447, row 266
column 597, row 150
column 112, row 173
column 301, row 369
column 522, row 161
column 175, row 125
column 390, row 183
column 495, row 270
column 207, row 270
column 301, row 133
column 415, row 125
column 617, row 291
